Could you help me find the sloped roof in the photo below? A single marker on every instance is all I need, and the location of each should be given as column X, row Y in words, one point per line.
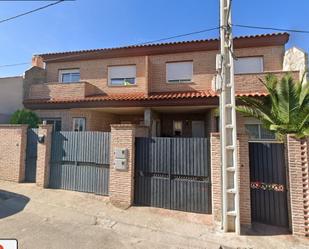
column 169, row 47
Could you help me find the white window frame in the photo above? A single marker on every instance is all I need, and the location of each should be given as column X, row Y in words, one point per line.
column 124, row 78
column 67, row 71
column 259, row 70
column 81, row 122
column 179, row 80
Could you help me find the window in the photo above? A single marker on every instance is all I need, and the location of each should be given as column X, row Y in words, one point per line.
column 257, row 132
column 79, row 124
column 69, row 75
column 179, row 72
column 248, row 65
column 177, row 128
column 56, row 122
column 121, row 75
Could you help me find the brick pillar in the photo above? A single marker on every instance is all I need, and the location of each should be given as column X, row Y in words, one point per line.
column 244, row 180
column 121, row 183
column 298, row 183
column 43, row 158
column 216, row 191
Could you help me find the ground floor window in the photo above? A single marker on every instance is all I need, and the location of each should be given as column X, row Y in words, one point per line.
column 177, row 128
column 257, row 132
column 56, row 122
column 79, row 124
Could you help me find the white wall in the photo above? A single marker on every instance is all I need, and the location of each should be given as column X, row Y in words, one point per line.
column 11, row 96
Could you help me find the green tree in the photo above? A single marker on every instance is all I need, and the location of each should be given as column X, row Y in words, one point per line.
column 25, row 116
column 285, row 110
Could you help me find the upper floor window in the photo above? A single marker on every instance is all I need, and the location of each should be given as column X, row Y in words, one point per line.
column 69, row 75
column 179, row 72
column 122, row 75
column 248, row 65
column 79, row 124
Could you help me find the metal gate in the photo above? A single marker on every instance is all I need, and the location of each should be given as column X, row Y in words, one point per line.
column 80, row 161
column 268, row 184
column 173, row 173
column 31, row 155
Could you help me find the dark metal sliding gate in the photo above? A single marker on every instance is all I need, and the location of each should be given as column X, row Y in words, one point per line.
column 31, row 155
column 173, row 173
column 268, row 184
column 80, row 161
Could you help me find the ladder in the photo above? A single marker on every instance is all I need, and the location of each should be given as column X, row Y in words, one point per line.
column 225, row 86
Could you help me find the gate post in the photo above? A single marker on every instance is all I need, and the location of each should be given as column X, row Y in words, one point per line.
column 298, row 183
column 44, row 152
column 121, row 185
column 216, row 178
column 244, row 181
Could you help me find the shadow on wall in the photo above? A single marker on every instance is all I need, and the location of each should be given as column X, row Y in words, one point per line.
column 11, row 203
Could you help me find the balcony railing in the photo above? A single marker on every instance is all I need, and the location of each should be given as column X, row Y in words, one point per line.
column 78, row 90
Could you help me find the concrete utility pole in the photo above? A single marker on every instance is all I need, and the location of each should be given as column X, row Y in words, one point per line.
column 225, row 86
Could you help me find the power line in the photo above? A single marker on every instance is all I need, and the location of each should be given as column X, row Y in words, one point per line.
column 16, row 64
column 177, row 36
column 272, row 28
column 31, row 11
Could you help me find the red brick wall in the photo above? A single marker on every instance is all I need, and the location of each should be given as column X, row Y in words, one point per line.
column 13, row 144
column 298, row 183
column 96, row 73
column 44, row 153
column 121, row 185
column 151, row 73
column 216, row 186
column 244, row 179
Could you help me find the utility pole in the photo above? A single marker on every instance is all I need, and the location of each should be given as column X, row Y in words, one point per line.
column 225, row 86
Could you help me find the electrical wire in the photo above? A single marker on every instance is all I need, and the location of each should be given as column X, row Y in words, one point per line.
column 31, row 11
column 16, row 64
column 272, row 28
column 177, row 36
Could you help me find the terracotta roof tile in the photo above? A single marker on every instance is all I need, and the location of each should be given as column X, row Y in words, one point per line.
column 142, row 96
column 161, row 44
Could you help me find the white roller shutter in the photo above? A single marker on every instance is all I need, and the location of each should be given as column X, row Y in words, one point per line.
column 179, row 71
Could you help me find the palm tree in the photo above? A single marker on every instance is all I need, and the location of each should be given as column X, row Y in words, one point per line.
column 285, row 110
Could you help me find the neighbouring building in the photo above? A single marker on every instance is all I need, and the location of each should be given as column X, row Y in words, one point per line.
column 155, row 108
column 11, row 96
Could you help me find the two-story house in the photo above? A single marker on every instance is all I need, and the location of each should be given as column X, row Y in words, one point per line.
column 167, row 90
column 169, row 86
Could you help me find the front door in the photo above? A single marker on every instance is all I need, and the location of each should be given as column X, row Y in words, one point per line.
column 198, row 129
column 268, row 184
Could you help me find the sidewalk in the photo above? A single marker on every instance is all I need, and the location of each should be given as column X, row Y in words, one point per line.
column 47, row 218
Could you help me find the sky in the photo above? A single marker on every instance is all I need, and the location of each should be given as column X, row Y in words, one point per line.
column 89, row 24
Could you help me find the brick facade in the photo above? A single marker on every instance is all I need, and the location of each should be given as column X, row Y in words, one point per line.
column 96, row 73
column 13, row 144
column 150, row 74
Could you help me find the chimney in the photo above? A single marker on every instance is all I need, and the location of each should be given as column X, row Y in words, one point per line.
column 37, row 61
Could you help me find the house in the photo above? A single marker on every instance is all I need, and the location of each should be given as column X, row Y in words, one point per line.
column 169, row 87
column 11, row 96
column 154, row 110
